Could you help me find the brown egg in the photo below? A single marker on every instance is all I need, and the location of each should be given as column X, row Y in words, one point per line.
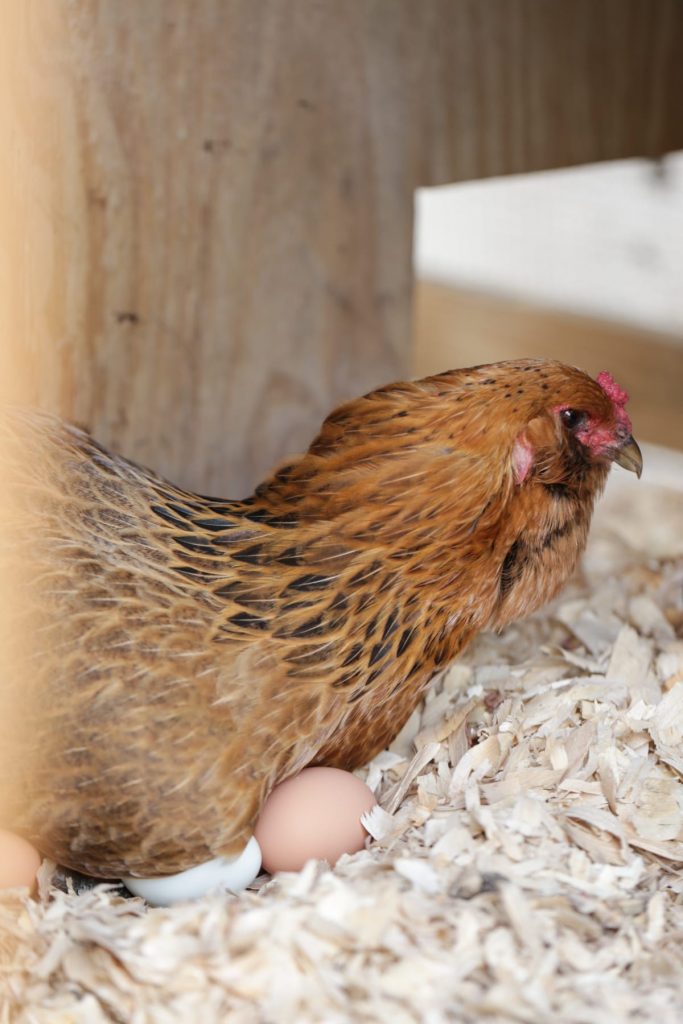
column 19, row 861
column 315, row 814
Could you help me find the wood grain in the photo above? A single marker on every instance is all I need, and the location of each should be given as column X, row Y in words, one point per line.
column 208, row 249
column 454, row 326
column 206, row 208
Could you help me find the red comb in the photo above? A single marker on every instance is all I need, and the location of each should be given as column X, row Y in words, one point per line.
column 611, row 388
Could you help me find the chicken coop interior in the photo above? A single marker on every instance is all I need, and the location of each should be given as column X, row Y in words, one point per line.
column 219, row 222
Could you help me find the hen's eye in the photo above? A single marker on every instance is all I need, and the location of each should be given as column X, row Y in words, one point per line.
column 572, row 418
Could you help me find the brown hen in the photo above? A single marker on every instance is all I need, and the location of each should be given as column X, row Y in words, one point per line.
column 169, row 657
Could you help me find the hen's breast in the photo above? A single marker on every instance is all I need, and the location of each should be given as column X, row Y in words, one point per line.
column 541, row 543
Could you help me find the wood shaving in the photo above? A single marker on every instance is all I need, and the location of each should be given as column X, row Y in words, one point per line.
column 524, row 863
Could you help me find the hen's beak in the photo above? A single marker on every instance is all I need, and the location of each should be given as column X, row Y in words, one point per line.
column 629, row 457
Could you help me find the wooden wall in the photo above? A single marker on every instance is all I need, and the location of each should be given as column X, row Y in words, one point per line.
column 206, row 207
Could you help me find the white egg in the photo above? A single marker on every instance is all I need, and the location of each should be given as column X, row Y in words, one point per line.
column 233, row 874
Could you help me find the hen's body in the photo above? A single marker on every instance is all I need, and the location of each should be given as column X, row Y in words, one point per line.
column 173, row 656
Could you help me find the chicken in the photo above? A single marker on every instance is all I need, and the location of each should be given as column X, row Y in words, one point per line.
column 170, row 657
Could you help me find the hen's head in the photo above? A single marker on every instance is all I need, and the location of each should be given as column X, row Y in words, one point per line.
column 583, row 420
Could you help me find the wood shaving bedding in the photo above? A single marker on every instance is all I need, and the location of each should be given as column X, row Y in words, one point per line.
column 525, row 861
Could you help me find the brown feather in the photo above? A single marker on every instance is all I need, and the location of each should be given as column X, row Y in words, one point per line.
column 170, row 657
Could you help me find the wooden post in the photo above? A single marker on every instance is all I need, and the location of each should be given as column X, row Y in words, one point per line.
column 206, row 207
